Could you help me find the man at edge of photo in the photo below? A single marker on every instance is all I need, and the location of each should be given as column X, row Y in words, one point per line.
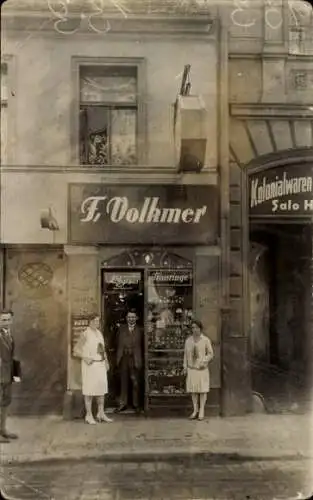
column 6, row 372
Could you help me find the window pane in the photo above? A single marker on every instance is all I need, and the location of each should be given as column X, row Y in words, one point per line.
column 123, row 138
column 108, row 84
column 108, row 89
column 94, row 135
column 300, row 28
column 4, row 133
column 4, row 81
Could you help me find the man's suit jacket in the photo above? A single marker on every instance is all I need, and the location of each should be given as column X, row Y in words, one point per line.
column 6, row 357
column 122, row 343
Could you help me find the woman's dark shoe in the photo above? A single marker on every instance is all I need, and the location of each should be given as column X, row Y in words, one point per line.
column 194, row 415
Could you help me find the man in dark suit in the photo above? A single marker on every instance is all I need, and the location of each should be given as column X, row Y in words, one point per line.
column 129, row 359
column 6, row 372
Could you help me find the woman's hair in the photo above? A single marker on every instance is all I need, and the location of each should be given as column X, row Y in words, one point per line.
column 93, row 316
column 198, row 323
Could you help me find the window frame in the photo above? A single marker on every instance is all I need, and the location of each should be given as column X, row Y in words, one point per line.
column 140, row 105
column 302, row 35
column 9, row 104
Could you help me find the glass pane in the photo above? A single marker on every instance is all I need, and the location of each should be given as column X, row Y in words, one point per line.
column 94, row 135
column 123, row 137
column 4, row 133
column 168, row 323
column 170, row 308
column 300, row 28
column 4, row 81
column 108, row 89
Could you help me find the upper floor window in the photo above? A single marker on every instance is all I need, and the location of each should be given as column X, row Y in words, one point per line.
column 300, row 28
column 108, row 114
column 4, row 112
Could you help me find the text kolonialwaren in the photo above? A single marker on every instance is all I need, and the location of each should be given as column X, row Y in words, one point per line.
column 283, row 186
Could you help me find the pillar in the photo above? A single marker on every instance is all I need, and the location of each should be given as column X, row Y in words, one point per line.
column 83, row 299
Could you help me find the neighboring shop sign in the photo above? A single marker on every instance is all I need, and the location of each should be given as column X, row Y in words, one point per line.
column 135, row 214
column 282, row 192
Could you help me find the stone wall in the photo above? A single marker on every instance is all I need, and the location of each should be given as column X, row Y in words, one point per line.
column 36, row 292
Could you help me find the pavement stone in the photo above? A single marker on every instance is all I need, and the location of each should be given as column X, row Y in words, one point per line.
column 251, row 436
column 88, row 480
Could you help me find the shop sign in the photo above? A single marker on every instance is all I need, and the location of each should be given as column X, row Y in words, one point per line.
column 141, row 214
column 120, row 280
column 79, row 323
column 282, row 192
column 172, row 277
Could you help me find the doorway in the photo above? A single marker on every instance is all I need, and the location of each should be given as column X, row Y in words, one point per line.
column 121, row 290
column 280, row 305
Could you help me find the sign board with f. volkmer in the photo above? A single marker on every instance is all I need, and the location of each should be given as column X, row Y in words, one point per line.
column 143, row 214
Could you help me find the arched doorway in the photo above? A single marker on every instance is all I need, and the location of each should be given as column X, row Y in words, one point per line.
column 280, row 210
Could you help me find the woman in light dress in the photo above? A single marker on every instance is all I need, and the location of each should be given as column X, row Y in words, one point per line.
column 198, row 354
column 94, row 367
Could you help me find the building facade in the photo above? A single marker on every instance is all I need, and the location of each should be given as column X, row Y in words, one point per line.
column 270, row 136
column 96, row 214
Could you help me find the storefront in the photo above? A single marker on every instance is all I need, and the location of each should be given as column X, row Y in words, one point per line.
column 152, row 248
column 280, row 272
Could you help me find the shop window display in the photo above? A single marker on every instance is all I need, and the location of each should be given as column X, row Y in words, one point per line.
column 170, row 300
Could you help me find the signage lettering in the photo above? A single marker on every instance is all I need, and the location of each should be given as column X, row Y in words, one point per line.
column 117, row 208
column 282, row 191
column 121, row 280
column 164, row 277
column 143, row 214
column 264, row 190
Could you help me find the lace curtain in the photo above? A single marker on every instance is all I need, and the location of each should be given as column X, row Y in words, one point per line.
column 108, row 89
column 123, row 134
column 108, row 119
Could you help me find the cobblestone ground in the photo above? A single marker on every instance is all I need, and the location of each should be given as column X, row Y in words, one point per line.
column 196, row 479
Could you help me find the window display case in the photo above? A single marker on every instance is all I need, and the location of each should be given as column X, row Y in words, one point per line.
column 169, row 314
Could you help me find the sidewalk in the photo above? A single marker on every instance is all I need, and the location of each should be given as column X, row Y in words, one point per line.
column 128, row 437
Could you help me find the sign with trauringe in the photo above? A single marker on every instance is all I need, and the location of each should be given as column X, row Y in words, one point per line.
column 143, row 214
column 282, row 192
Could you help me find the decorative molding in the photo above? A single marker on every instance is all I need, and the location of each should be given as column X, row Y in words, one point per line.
column 212, row 251
column 80, row 250
column 168, row 175
column 256, row 138
column 147, row 258
column 272, row 111
column 43, row 23
column 301, row 79
column 122, row 8
column 280, row 158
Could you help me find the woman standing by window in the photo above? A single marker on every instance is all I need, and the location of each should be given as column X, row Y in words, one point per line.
column 198, row 354
column 94, row 367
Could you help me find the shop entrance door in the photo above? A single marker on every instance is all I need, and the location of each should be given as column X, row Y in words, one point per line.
column 121, row 290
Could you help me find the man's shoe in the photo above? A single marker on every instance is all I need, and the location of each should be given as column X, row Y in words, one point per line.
column 120, row 408
column 4, row 440
column 9, row 435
